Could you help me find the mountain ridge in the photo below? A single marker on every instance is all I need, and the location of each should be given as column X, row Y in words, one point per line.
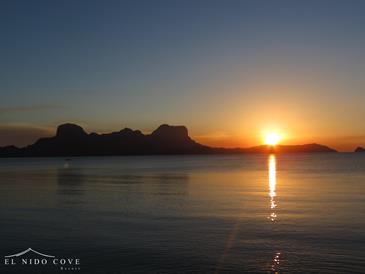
column 360, row 149
column 73, row 140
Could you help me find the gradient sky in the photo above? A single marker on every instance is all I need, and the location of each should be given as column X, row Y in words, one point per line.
column 228, row 70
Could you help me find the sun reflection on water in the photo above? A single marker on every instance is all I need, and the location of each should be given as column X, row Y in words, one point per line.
column 276, row 263
column 276, row 260
column 272, row 187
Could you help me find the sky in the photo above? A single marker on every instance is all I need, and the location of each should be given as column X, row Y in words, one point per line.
column 228, row 70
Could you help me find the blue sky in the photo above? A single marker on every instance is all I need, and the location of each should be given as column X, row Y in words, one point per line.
column 226, row 69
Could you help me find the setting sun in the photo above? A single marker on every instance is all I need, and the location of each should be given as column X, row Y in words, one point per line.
column 272, row 139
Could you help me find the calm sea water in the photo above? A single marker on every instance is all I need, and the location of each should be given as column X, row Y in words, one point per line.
column 187, row 214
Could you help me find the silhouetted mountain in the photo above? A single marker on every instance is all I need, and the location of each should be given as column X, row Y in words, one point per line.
column 290, row 149
column 360, row 149
column 72, row 140
column 10, row 151
column 70, row 131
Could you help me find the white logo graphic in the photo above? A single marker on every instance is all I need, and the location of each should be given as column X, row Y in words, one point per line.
column 29, row 250
column 40, row 259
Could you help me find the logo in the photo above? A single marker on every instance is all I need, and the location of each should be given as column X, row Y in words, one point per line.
column 32, row 258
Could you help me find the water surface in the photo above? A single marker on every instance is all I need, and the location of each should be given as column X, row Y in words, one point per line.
column 188, row 214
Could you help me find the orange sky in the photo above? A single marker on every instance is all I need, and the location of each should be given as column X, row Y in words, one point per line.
column 227, row 71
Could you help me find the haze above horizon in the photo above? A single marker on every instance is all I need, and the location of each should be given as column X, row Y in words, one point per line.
column 228, row 70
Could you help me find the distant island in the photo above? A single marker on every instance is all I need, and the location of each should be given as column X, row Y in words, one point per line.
column 360, row 149
column 72, row 140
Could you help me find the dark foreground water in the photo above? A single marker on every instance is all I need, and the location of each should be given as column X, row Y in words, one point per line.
column 185, row 214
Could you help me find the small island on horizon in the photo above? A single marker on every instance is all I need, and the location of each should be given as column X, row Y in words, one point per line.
column 72, row 140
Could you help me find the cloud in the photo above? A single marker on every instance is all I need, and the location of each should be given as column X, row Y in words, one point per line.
column 16, row 109
column 22, row 135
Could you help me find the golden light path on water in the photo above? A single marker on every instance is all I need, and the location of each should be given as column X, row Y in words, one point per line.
column 273, row 205
column 275, row 262
column 272, row 186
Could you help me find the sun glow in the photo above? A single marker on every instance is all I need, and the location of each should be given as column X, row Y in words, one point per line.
column 272, row 138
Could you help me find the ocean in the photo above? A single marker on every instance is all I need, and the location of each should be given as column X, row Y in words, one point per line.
column 297, row 213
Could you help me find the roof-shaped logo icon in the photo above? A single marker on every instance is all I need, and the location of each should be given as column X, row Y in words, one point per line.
column 29, row 250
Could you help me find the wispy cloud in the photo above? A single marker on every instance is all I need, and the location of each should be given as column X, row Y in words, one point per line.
column 31, row 108
column 22, row 135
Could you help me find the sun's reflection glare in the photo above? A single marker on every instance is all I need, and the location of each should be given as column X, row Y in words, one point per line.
column 272, row 186
column 276, row 263
column 276, row 260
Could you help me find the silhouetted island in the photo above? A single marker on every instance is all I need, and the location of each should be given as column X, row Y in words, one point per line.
column 360, row 149
column 72, row 140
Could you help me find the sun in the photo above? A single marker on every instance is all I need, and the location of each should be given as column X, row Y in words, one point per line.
column 272, row 138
